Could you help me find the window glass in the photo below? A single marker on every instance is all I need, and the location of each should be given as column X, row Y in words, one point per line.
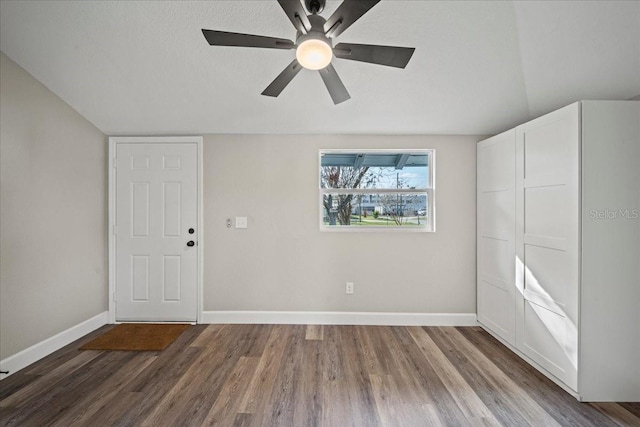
column 377, row 188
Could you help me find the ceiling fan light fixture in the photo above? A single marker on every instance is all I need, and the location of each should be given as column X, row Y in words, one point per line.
column 314, row 54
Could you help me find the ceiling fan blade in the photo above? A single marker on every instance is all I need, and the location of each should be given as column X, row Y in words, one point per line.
column 392, row 56
column 296, row 13
column 345, row 15
column 334, row 85
column 223, row 38
column 283, row 79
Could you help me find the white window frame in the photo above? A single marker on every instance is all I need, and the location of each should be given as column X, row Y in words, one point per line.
column 430, row 192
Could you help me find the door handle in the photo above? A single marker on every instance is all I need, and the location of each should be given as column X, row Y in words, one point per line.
column 190, row 243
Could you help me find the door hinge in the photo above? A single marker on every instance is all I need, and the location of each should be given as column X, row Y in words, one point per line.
column 115, row 230
column 115, row 163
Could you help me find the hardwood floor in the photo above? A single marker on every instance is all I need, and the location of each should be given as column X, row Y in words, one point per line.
column 296, row 375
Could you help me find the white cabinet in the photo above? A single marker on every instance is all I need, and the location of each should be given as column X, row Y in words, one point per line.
column 566, row 294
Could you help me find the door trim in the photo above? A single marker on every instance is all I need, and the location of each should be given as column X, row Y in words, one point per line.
column 113, row 141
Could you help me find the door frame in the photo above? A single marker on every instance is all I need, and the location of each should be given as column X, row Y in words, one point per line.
column 113, row 141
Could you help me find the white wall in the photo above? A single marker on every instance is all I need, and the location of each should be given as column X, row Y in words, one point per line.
column 53, row 224
column 52, row 213
column 283, row 262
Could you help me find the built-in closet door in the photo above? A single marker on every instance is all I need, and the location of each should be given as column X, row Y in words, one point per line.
column 547, row 241
column 496, row 234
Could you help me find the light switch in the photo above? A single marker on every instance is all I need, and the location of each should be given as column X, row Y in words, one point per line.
column 241, row 222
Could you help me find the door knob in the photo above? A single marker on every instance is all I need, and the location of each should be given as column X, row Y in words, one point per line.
column 190, row 243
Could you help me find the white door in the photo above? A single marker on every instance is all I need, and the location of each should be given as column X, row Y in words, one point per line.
column 548, row 206
column 496, row 234
column 156, row 218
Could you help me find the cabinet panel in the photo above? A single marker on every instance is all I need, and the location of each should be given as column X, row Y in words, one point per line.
column 610, row 280
column 493, row 156
column 548, row 211
column 496, row 235
column 495, row 266
column 545, row 150
column 497, row 213
column 492, row 303
column 551, row 341
column 547, row 277
column 548, row 201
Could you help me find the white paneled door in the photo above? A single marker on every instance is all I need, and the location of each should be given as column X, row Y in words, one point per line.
column 496, row 234
column 548, row 177
column 156, row 221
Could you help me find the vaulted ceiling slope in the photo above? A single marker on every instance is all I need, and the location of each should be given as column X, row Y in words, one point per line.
column 143, row 67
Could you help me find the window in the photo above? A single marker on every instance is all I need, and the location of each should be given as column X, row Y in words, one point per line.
column 377, row 190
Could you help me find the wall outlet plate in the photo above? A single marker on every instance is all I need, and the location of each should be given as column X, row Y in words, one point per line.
column 349, row 288
column 241, row 222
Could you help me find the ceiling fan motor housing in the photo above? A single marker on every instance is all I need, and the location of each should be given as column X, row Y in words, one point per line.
column 316, row 32
column 314, row 6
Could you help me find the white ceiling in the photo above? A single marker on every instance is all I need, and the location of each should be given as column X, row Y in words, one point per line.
column 143, row 67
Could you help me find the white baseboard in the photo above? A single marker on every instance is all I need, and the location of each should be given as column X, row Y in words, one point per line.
column 44, row 348
column 340, row 318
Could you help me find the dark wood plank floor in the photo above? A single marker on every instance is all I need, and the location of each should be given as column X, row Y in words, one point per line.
column 296, row 375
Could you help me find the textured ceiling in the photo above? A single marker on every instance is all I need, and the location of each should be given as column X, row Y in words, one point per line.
column 143, row 67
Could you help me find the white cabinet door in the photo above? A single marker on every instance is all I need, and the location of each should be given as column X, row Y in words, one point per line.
column 548, row 206
column 496, row 235
column 156, row 218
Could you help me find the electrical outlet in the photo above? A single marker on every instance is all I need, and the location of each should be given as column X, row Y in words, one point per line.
column 349, row 288
column 241, row 222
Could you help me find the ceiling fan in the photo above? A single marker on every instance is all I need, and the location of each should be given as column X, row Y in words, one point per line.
column 313, row 45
